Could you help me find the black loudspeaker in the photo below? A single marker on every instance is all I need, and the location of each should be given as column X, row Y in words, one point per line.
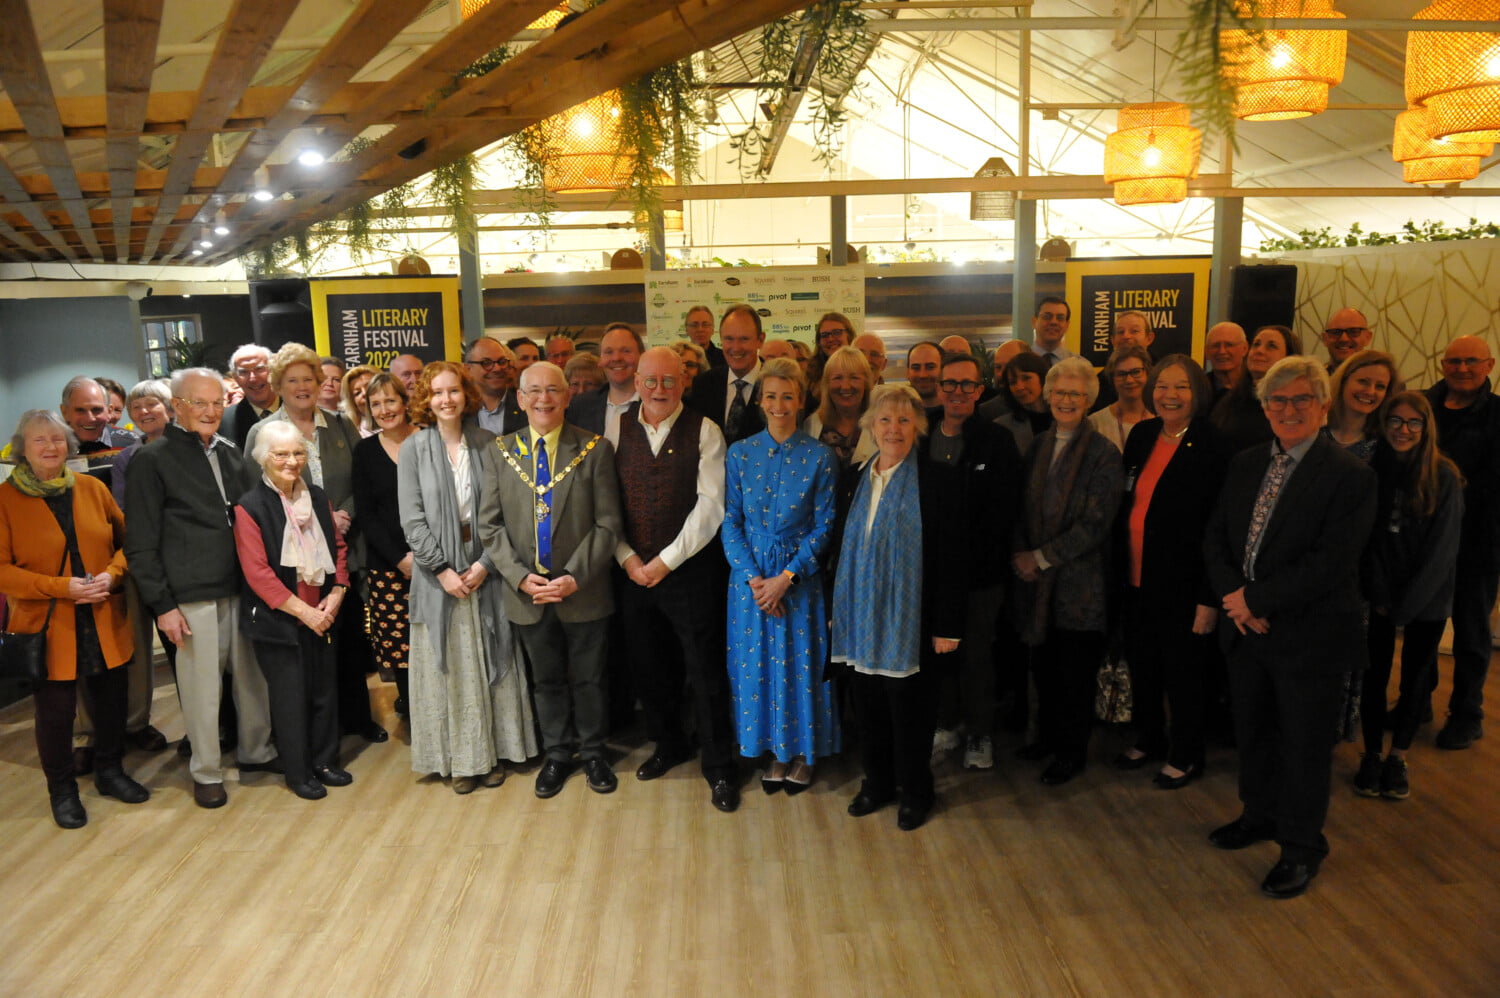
column 1263, row 295
column 281, row 312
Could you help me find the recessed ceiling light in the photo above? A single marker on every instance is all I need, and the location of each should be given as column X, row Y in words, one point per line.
column 263, row 195
column 205, row 243
column 221, row 229
column 310, row 157
column 197, row 252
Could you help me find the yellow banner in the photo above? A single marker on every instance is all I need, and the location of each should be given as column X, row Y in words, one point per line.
column 373, row 320
column 1171, row 294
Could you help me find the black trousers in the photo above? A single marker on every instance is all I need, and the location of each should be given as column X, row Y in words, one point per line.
column 1473, row 599
column 1168, row 673
column 1419, row 647
column 1285, row 721
column 675, row 635
column 1066, row 666
column 355, row 659
column 568, row 685
column 304, row 706
column 897, row 718
column 55, row 702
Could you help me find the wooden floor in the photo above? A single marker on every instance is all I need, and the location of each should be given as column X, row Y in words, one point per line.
column 396, row 886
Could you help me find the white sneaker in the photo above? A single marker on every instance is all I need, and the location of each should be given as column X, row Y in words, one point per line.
column 979, row 753
column 944, row 740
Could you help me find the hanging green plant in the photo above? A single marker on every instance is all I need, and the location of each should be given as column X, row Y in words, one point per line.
column 660, row 116
column 452, row 187
column 1411, row 232
column 1204, row 68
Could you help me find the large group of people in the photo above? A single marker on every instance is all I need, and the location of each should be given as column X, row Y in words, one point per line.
column 773, row 553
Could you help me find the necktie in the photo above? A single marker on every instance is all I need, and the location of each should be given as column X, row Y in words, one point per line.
column 543, row 509
column 1051, row 359
column 736, row 409
column 1270, row 488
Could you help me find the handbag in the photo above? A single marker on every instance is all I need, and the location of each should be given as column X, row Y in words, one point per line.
column 23, row 657
column 1113, row 700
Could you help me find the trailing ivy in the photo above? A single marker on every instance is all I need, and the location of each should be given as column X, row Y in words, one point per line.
column 658, row 125
column 1205, row 69
column 1411, row 232
column 452, row 187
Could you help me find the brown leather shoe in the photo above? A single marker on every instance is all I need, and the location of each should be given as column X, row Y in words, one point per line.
column 148, row 739
column 209, row 794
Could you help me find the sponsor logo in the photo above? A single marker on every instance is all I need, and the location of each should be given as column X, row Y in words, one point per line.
column 732, row 281
column 805, row 296
column 763, row 312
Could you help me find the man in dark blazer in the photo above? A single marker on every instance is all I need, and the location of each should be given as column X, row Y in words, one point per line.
column 551, row 530
column 493, row 368
column 699, row 327
column 714, row 393
column 1282, row 552
column 620, row 350
column 251, row 367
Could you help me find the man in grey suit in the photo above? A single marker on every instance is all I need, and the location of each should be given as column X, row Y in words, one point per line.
column 549, row 519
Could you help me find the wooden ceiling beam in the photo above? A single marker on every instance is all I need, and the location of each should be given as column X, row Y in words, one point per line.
column 16, row 195
column 243, row 44
column 131, row 29
column 361, row 37
column 24, row 76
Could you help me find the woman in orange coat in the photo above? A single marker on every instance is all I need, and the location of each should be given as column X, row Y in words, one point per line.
column 60, row 550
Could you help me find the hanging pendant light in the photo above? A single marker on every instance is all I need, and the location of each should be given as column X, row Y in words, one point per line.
column 1426, row 160
column 1456, row 74
column 586, row 154
column 1286, row 75
column 1152, row 153
column 993, row 206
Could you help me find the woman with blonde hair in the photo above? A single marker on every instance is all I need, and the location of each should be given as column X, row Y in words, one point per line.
column 354, row 406
column 845, row 397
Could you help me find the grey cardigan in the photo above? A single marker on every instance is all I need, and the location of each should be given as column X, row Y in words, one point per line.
column 429, row 516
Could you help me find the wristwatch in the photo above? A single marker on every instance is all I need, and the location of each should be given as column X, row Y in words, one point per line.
column 791, row 575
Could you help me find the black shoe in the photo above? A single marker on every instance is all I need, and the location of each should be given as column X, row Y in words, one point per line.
column 660, row 763
column 726, row 796
column 185, row 748
column 912, row 816
column 550, row 779
column 272, row 765
column 83, row 761
column 601, row 778
column 1367, row 780
column 400, row 707
column 864, row 803
column 373, row 732
column 1394, row 784
column 1239, row 834
column 311, row 790
column 114, row 783
column 1060, row 771
column 332, row 776
column 1035, row 752
column 1165, row 782
column 68, row 812
column 1458, row 733
column 148, row 739
column 1287, row 879
column 1127, row 761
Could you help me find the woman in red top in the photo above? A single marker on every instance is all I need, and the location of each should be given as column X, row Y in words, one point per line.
column 1174, row 466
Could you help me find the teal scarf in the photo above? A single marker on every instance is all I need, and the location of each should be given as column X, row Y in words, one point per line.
column 877, row 596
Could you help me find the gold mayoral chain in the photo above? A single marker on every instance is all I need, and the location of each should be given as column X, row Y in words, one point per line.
column 542, row 509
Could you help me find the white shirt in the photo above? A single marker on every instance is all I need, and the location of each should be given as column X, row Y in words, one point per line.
column 1060, row 352
column 708, row 512
column 749, row 378
column 612, row 412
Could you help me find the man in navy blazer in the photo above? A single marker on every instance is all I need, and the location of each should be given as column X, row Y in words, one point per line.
column 741, row 335
column 1282, row 552
column 620, row 350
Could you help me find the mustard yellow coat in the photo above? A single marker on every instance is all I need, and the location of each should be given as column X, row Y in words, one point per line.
column 31, row 547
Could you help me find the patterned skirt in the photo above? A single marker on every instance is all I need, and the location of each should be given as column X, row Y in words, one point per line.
column 385, row 618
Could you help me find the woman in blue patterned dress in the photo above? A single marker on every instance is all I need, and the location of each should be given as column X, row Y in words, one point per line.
column 779, row 508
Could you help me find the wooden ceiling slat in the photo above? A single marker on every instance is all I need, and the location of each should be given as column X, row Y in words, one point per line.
column 12, row 191
column 131, row 29
column 542, row 83
column 24, row 76
column 359, row 39
column 243, row 44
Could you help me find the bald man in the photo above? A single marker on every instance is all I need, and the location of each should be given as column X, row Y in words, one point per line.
column 775, row 348
column 1468, row 425
column 1225, row 349
column 407, row 368
column 1347, row 333
column 954, row 344
column 873, row 347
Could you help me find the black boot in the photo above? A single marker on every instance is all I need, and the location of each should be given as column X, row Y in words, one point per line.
column 67, row 809
column 111, row 781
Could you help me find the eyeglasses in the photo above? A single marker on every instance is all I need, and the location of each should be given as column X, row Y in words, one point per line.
column 551, row 391
column 659, row 382
column 1276, row 403
column 1414, row 425
column 198, row 405
column 1456, row 362
column 1134, row 374
column 1349, row 332
column 1064, row 395
column 828, row 334
column 488, row 364
column 967, row 387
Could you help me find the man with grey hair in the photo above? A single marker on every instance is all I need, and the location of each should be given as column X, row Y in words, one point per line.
column 1282, row 551
column 179, row 543
column 1225, row 348
column 699, row 326
column 251, row 366
column 85, row 408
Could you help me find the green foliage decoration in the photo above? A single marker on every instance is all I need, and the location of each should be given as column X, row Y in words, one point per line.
column 1411, row 232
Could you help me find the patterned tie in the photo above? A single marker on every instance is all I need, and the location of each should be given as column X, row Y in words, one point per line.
column 1269, row 490
column 736, row 409
column 543, row 508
